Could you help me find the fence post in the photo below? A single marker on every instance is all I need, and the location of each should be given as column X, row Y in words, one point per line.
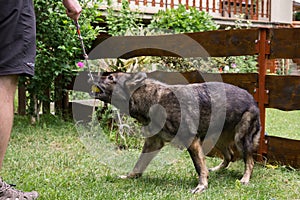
column 58, row 95
column 21, row 100
column 61, row 103
column 263, row 46
column 46, row 103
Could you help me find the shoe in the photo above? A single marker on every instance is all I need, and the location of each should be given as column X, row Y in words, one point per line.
column 7, row 192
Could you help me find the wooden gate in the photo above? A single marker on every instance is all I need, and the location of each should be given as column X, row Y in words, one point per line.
column 270, row 91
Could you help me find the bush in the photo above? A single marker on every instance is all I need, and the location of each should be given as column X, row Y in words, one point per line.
column 119, row 23
column 181, row 20
column 58, row 48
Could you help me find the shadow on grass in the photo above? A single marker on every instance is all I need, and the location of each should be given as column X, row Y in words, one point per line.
column 150, row 180
column 228, row 174
column 172, row 180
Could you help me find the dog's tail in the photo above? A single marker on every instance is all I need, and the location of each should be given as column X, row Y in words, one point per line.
column 248, row 131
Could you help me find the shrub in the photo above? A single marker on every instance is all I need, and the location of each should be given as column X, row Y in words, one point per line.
column 181, row 20
column 58, row 48
column 119, row 23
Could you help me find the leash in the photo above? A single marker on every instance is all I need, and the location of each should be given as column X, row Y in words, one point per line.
column 86, row 57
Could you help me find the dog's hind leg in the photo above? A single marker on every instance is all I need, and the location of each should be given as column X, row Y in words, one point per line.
column 246, row 139
column 227, row 157
column 151, row 148
column 196, row 153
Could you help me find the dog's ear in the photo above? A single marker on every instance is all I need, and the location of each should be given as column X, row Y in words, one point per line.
column 138, row 77
column 135, row 81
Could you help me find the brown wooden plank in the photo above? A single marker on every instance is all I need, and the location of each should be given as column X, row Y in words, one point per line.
column 260, row 94
column 227, row 42
column 234, row 6
column 207, row 5
column 172, row 3
column 267, row 10
column 246, row 81
column 161, row 4
column 285, row 43
column 252, row 9
column 153, row 3
column 200, row 5
column 201, row 44
column 221, row 6
column 247, row 9
column 256, row 10
column 284, row 92
column 262, row 8
column 283, row 151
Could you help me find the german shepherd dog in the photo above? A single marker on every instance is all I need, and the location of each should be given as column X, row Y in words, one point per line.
column 224, row 115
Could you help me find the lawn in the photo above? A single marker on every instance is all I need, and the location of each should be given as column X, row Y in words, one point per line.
column 55, row 159
column 283, row 123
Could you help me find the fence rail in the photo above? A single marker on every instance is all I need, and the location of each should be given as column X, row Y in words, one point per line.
column 251, row 9
column 270, row 91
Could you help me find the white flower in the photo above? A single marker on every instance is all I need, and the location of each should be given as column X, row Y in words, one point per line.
column 226, row 68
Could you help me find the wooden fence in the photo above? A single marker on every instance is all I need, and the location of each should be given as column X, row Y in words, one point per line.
column 252, row 9
column 270, row 91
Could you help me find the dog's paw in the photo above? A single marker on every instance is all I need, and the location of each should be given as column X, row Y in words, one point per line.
column 199, row 189
column 213, row 169
column 123, row 177
column 246, row 178
column 244, row 182
column 130, row 176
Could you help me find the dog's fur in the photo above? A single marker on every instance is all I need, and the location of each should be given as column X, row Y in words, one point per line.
column 185, row 114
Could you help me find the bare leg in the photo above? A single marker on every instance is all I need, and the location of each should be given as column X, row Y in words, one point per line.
column 195, row 151
column 8, row 86
column 151, row 148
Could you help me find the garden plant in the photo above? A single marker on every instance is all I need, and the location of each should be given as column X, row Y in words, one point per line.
column 55, row 158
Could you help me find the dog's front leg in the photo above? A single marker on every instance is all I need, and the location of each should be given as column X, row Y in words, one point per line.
column 151, row 148
column 196, row 153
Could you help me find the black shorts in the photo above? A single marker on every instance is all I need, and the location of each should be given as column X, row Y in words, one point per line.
column 17, row 37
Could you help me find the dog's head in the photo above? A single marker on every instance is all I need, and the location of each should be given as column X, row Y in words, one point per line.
column 116, row 88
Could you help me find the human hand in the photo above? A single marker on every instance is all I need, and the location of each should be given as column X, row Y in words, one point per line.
column 73, row 8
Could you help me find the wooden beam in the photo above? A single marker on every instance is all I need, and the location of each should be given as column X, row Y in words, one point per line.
column 262, row 63
column 285, row 43
column 284, row 92
column 200, row 44
column 283, row 151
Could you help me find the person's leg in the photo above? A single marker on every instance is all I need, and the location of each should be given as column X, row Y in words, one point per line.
column 8, row 86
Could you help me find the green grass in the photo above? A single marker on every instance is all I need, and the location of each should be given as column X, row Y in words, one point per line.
column 51, row 158
column 283, row 123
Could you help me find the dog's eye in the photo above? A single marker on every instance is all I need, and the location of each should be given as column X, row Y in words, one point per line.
column 110, row 77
